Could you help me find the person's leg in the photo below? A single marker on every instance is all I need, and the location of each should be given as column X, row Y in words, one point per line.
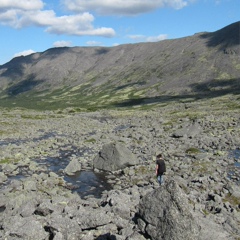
column 162, row 180
column 159, row 179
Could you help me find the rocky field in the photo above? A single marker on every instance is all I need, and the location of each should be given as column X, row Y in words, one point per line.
column 200, row 142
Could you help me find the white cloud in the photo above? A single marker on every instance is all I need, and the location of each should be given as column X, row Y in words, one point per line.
column 62, row 44
column 78, row 25
column 24, row 53
column 122, row 7
column 21, row 4
column 142, row 38
column 15, row 14
column 18, row 19
column 8, row 17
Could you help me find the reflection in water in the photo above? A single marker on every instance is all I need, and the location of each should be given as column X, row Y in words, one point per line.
column 84, row 182
column 236, row 155
column 88, row 183
column 234, row 170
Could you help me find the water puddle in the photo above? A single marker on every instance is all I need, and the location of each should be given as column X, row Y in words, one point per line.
column 88, row 183
column 235, row 154
column 122, row 127
column 85, row 182
column 234, row 169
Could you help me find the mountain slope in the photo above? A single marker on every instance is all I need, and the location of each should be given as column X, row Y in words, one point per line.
column 196, row 66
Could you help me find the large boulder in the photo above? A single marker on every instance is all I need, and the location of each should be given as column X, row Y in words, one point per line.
column 3, row 177
column 190, row 131
column 165, row 214
column 114, row 156
column 17, row 227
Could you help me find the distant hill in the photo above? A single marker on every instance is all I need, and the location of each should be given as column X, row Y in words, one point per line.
column 203, row 65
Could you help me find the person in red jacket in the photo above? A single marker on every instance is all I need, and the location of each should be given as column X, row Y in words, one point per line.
column 160, row 168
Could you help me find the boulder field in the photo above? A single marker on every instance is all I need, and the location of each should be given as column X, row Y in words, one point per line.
column 200, row 199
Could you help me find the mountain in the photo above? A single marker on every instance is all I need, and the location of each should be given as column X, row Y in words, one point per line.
column 203, row 65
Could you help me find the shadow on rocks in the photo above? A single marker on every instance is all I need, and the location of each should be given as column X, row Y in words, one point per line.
column 106, row 236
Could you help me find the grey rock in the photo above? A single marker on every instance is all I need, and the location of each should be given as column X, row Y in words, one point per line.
column 188, row 131
column 73, row 167
column 119, row 203
column 114, row 156
column 28, row 209
column 167, row 214
column 211, row 230
column 3, row 177
column 63, row 226
column 93, row 218
column 58, row 236
column 9, row 168
column 29, row 185
column 135, row 236
column 236, row 191
column 24, row 228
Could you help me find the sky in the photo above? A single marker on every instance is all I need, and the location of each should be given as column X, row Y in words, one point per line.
column 28, row 26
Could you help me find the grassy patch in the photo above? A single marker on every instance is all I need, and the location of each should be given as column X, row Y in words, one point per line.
column 33, row 117
column 232, row 200
column 2, row 132
column 233, row 105
column 202, row 167
column 6, row 161
column 135, row 95
column 193, row 150
column 141, row 170
column 91, row 140
column 205, row 212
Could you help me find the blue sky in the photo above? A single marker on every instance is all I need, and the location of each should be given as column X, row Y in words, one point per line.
column 28, row 26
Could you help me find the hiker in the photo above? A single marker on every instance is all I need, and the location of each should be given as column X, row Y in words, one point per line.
column 160, row 168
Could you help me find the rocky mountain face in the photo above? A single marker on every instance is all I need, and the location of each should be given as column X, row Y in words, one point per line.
column 196, row 66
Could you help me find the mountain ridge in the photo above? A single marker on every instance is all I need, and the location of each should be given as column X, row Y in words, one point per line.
column 201, row 64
